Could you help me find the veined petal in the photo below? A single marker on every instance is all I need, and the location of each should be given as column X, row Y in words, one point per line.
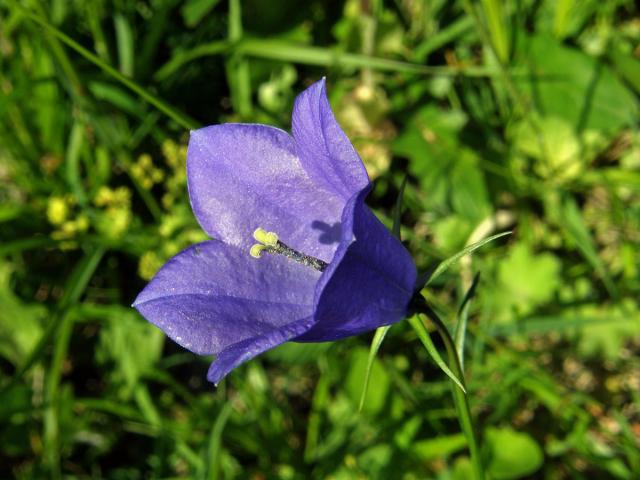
column 325, row 151
column 240, row 352
column 243, row 176
column 370, row 282
column 214, row 295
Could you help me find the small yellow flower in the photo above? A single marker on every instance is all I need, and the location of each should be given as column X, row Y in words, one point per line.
column 57, row 210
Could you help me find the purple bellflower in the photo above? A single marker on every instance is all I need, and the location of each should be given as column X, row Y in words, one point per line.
column 297, row 254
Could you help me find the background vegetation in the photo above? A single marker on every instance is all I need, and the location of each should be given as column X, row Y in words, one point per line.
column 505, row 115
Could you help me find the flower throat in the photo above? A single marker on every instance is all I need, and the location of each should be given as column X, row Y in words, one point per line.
column 269, row 242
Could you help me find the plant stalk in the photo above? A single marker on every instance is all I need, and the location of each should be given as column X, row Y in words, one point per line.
column 461, row 400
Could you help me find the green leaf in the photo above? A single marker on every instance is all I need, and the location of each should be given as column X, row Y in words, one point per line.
column 431, row 349
column 628, row 66
column 124, row 40
column 373, row 351
column 397, row 210
column 177, row 116
column 513, row 454
column 441, row 446
column 526, row 280
column 17, row 338
column 497, row 23
column 379, row 380
column 445, row 264
column 444, row 166
column 574, row 227
column 570, row 84
column 132, row 344
column 325, row 57
column 212, row 460
column 463, row 314
column 193, row 11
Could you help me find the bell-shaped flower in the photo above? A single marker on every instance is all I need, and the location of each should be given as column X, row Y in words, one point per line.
column 296, row 254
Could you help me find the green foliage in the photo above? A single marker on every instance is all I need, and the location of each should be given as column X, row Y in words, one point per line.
column 513, row 454
column 502, row 116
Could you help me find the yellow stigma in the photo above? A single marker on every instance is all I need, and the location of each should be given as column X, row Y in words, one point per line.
column 256, row 250
column 265, row 240
column 268, row 242
column 270, row 239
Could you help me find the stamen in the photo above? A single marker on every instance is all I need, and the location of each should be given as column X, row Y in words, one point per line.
column 269, row 242
column 266, row 238
column 256, row 250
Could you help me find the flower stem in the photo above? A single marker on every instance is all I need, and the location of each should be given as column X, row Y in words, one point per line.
column 461, row 400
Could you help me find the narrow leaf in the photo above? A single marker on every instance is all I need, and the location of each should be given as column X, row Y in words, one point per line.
column 373, row 351
column 171, row 112
column 463, row 314
column 431, row 349
column 397, row 210
column 213, row 459
column 575, row 228
column 445, row 264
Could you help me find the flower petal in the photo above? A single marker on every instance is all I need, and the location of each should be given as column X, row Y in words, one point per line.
column 242, row 177
column 214, row 295
column 368, row 285
column 324, row 150
column 240, row 352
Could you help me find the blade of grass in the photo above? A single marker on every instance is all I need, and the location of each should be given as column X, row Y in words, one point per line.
column 461, row 400
column 147, row 407
column 318, row 404
column 182, row 58
column 445, row 264
column 124, row 41
column 237, row 66
column 74, row 289
column 212, row 462
column 171, row 112
column 373, row 351
column 72, row 161
column 287, row 52
column 495, row 16
column 452, row 31
column 26, row 244
column 463, row 315
column 557, row 323
column 397, row 210
column 575, row 228
column 431, row 349
column 61, row 332
column 562, row 18
column 51, row 433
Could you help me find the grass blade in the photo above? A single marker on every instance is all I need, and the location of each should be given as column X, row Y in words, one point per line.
column 463, row 314
column 431, row 349
column 373, row 351
column 397, row 210
column 324, row 57
column 215, row 442
column 171, row 112
column 445, row 264
column 74, row 288
column 461, row 400
column 574, row 227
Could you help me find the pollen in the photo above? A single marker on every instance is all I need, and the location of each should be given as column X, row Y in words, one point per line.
column 270, row 243
column 269, row 239
column 256, row 250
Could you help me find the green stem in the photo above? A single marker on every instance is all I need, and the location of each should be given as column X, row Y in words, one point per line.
column 461, row 400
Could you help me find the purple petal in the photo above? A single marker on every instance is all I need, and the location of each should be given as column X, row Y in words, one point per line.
column 240, row 352
column 368, row 285
column 242, row 177
column 324, row 150
column 214, row 295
